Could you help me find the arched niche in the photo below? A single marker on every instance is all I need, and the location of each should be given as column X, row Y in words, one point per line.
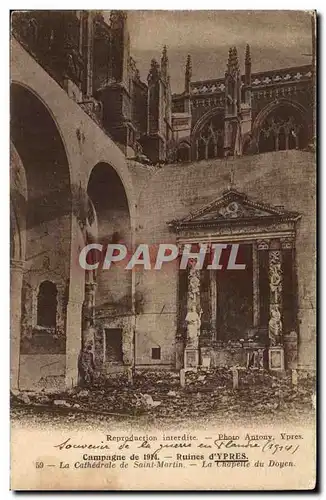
column 43, row 208
column 108, row 303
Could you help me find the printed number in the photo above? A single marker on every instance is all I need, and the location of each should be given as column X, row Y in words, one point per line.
column 39, row 465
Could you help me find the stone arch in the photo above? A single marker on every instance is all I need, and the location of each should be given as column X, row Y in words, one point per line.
column 208, row 135
column 42, row 207
column 41, row 149
column 282, row 124
column 17, row 83
column 109, row 292
column 78, row 134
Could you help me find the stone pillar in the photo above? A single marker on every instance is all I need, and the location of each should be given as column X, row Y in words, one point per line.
column 128, row 343
column 206, row 150
column 286, row 139
column 291, row 350
column 89, row 314
column 276, row 352
column 73, row 341
column 16, row 283
column 255, row 286
column 191, row 356
column 297, row 139
column 213, row 299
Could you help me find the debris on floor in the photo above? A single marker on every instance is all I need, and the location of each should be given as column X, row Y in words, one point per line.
column 206, row 392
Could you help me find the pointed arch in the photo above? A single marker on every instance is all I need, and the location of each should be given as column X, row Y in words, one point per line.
column 208, row 135
column 281, row 125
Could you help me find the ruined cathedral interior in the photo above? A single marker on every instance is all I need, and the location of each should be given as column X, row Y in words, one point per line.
column 98, row 154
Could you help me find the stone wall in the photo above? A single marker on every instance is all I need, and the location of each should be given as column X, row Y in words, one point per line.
column 86, row 145
column 39, row 371
column 280, row 178
column 155, row 197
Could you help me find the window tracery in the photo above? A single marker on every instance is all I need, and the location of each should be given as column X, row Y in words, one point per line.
column 281, row 132
column 210, row 140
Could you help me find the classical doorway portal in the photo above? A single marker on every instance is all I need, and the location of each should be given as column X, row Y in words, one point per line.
column 246, row 310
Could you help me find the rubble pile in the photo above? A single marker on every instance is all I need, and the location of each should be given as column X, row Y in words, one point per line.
column 153, row 381
column 208, row 380
column 159, row 394
column 253, row 377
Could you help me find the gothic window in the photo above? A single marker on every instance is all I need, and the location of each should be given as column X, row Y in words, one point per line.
column 210, row 140
column 183, row 153
column 47, row 305
column 283, row 129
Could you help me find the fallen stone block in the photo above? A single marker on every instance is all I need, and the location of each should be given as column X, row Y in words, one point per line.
column 147, row 400
column 84, row 393
column 24, row 398
column 61, row 402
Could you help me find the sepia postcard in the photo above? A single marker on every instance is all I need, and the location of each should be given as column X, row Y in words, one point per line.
column 163, row 250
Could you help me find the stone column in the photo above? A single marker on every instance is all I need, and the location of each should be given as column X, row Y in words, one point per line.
column 193, row 296
column 16, row 283
column 73, row 341
column 89, row 314
column 128, row 343
column 276, row 352
column 191, row 356
column 213, row 305
column 255, row 286
column 286, row 139
column 89, row 65
column 206, row 150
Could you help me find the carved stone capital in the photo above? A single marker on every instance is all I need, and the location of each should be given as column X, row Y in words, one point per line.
column 287, row 243
column 263, row 244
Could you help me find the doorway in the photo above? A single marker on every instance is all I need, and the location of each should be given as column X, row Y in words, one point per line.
column 235, row 297
column 113, row 345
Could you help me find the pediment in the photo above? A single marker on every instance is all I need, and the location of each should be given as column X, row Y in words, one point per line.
column 234, row 208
